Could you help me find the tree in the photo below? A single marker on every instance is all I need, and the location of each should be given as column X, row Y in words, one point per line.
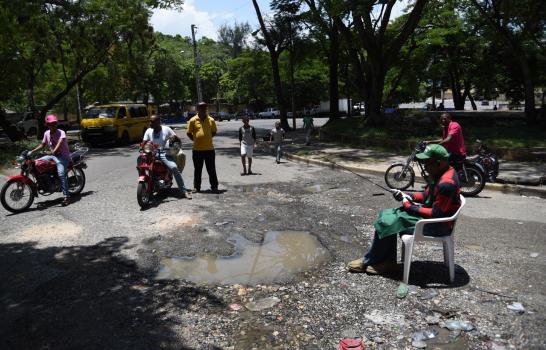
column 275, row 39
column 234, row 38
column 520, row 26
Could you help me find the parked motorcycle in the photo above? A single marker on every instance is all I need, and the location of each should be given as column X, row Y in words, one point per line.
column 401, row 175
column 40, row 177
column 153, row 175
column 488, row 160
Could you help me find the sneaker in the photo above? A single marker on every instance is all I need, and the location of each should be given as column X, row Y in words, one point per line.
column 187, row 194
column 356, row 266
column 250, row 172
column 383, row 268
column 196, row 190
column 66, row 201
column 278, row 162
column 243, row 173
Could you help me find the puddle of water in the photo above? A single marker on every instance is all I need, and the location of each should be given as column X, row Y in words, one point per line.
column 446, row 341
column 279, row 257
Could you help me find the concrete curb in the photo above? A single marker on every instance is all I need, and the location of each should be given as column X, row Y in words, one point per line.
column 538, row 191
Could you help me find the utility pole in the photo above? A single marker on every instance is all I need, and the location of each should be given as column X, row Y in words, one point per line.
column 197, row 62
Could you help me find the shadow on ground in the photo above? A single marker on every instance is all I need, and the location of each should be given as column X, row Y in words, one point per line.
column 87, row 297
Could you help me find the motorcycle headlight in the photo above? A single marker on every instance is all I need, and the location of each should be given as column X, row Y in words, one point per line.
column 148, row 148
column 20, row 160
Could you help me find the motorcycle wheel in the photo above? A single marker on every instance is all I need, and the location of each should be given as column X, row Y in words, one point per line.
column 143, row 194
column 399, row 178
column 472, row 185
column 16, row 196
column 76, row 181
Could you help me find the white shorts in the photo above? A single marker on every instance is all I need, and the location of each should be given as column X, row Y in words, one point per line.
column 247, row 150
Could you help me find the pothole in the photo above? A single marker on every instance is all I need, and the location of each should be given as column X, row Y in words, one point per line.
column 282, row 255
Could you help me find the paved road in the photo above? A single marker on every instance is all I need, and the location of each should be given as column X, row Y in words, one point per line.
column 495, row 237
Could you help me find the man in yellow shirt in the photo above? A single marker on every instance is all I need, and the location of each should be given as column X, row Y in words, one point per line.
column 201, row 130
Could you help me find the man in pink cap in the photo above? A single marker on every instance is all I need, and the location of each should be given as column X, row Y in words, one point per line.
column 55, row 139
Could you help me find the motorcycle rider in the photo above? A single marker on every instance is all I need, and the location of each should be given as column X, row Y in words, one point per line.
column 160, row 134
column 58, row 152
column 452, row 139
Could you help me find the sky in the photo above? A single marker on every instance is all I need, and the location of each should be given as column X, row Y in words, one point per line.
column 209, row 15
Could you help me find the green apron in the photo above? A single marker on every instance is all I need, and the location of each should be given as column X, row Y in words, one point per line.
column 394, row 220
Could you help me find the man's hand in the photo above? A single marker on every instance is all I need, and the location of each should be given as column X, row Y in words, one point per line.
column 406, row 204
column 398, row 195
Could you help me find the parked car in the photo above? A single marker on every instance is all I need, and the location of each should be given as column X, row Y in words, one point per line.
column 29, row 125
column 118, row 122
column 270, row 113
column 314, row 110
column 224, row 116
column 250, row 115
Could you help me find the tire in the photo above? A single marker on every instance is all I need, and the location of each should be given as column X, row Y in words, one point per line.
column 17, row 195
column 143, row 195
column 76, row 181
column 124, row 141
column 475, row 182
column 396, row 179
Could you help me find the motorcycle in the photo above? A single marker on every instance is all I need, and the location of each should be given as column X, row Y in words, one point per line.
column 153, row 175
column 488, row 160
column 401, row 176
column 39, row 177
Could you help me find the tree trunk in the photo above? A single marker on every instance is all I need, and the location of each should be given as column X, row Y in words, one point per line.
column 529, row 85
column 375, row 98
column 278, row 89
column 333, row 60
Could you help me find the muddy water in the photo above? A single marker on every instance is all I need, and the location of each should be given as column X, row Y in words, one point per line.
column 278, row 258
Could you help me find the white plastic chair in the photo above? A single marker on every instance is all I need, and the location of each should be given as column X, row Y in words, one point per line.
column 447, row 242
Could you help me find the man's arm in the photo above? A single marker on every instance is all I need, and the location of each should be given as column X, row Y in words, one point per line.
column 189, row 131
column 58, row 145
column 213, row 129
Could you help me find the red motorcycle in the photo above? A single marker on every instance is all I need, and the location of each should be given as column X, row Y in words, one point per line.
column 40, row 177
column 153, row 175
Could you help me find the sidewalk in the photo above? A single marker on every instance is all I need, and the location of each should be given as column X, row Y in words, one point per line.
column 524, row 178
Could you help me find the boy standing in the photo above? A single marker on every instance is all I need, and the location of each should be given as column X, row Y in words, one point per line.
column 247, row 141
column 308, row 126
column 277, row 136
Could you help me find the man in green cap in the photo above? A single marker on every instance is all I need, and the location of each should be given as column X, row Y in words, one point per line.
column 440, row 198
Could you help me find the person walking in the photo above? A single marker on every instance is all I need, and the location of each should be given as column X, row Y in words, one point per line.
column 201, row 130
column 276, row 136
column 308, row 126
column 452, row 139
column 247, row 141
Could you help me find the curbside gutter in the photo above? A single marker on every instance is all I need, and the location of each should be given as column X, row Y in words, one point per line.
column 538, row 191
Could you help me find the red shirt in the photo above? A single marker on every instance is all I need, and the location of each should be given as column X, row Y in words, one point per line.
column 456, row 144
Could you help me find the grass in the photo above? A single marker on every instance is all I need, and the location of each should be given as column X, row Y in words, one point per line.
column 506, row 133
column 10, row 150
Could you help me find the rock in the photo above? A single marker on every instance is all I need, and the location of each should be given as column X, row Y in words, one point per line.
column 454, row 325
column 419, row 344
column 262, row 304
column 432, row 319
column 235, row 307
column 517, row 307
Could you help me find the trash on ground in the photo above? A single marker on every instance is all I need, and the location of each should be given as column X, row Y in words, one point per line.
column 402, row 291
column 533, row 255
column 518, row 307
column 351, row 344
column 262, row 304
column 428, row 294
column 235, row 307
column 455, row 325
column 424, row 335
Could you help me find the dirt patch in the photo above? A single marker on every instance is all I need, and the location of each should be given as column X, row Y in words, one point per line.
column 167, row 223
column 47, row 231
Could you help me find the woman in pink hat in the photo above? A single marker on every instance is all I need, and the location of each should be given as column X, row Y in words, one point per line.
column 55, row 138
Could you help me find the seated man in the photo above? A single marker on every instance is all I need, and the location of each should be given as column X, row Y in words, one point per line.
column 159, row 135
column 439, row 199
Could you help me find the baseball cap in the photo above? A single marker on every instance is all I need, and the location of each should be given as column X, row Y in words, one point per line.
column 433, row 151
column 202, row 104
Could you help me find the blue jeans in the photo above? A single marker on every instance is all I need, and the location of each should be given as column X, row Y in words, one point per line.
column 62, row 164
column 174, row 170
column 278, row 151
